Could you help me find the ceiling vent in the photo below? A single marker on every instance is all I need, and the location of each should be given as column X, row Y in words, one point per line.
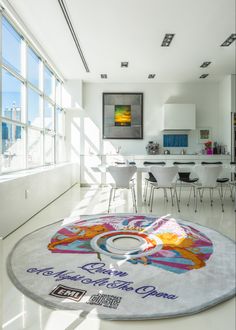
column 203, row 76
column 104, row 76
column 72, row 31
column 205, row 64
column 124, row 64
column 229, row 40
column 167, row 39
column 151, row 76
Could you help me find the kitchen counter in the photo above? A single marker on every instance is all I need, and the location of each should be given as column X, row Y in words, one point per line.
column 88, row 163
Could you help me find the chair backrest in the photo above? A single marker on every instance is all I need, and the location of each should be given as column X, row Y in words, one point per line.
column 124, row 163
column 122, row 175
column 184, row 163
column 154, row 163
column 165, row 175
column 208, row 174
column 211, row 163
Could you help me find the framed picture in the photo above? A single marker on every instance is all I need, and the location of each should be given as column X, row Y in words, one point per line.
column 204, row 134
column 122, row 116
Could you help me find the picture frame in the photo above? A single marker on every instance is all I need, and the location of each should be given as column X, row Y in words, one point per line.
column 122, row 116
column 204, row 134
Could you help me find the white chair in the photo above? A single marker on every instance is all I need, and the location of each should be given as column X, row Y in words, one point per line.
column 208, row 176
column 185, row 177
column 166, row 179
column 122, row 176
column 150, row 177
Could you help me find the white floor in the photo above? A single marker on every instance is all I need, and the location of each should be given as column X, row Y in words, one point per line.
column 19, row 312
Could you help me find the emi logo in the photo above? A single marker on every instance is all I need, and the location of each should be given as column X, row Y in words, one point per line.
column 62, row 291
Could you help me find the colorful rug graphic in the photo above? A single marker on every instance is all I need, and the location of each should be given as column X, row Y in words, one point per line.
column 125, row 266
column 183, row 247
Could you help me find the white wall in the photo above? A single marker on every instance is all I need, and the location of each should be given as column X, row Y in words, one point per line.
column 23, row 196
column 226, row 106
column 203, row 94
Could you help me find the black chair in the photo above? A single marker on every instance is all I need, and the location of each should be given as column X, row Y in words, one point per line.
column 184, row 177
column 151, row 177
column 124, row 163
column 211, row 163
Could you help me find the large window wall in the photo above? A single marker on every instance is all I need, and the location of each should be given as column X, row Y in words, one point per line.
column 32, row 120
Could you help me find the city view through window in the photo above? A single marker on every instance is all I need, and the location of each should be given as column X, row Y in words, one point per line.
column 32, row 117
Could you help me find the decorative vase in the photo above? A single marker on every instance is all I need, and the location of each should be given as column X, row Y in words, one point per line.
column 209, row 151
column 152, row 148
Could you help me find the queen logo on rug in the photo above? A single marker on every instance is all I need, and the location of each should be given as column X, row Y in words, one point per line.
column 125, row 266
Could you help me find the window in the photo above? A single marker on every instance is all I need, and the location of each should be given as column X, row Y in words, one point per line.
column 49, row 149
column 35, row 148
column 60, row 120
column 11, row 46
column 48, row 116
column 49, row 83
column 13, row 146
column 31, row 116
column 11, row 97
column 34, row 68
column 34, row 109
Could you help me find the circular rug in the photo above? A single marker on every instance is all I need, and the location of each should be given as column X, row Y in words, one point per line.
column 125, row 266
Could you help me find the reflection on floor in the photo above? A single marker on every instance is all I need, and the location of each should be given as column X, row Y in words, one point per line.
column 21, row 313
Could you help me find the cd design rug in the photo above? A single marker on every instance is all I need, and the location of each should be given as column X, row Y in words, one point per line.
column 125, row 266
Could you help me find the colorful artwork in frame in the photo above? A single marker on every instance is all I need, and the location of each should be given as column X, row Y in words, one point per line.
column 122, row 115
column 204, row 134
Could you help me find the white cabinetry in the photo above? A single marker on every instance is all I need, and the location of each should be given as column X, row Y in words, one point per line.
column 179, row 117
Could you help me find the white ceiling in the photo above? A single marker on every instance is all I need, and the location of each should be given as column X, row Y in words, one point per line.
column 111, row 31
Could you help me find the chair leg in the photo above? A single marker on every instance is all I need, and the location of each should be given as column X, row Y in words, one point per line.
column 180, row 188
column 177, row 201
column 201, row 195
column 150, row 196
column 145, row 191
column 196, row 199
column 221, row 200
column 110, row 198
column 211, row 198
column 153, row 189
column 135, row 202
column 165, row 195
column 172, row 202
column 190, row 194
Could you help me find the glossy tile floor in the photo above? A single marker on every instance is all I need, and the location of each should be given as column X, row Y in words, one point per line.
column 19, row 312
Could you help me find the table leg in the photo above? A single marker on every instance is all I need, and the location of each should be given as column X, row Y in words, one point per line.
column 139, row 189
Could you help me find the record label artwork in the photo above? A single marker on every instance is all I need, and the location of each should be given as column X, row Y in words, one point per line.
column 125, row 266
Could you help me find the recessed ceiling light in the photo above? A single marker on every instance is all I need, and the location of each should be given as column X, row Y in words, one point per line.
column 167, row 39
column 204, row 75
column 124, row 64
column 151, row 76
column 229, row 40
column 104, row 76
column 205, row 64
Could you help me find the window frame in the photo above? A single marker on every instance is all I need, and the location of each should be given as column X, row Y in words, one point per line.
column 23, row 78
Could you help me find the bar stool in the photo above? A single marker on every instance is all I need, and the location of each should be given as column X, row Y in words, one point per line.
column 150, row 178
